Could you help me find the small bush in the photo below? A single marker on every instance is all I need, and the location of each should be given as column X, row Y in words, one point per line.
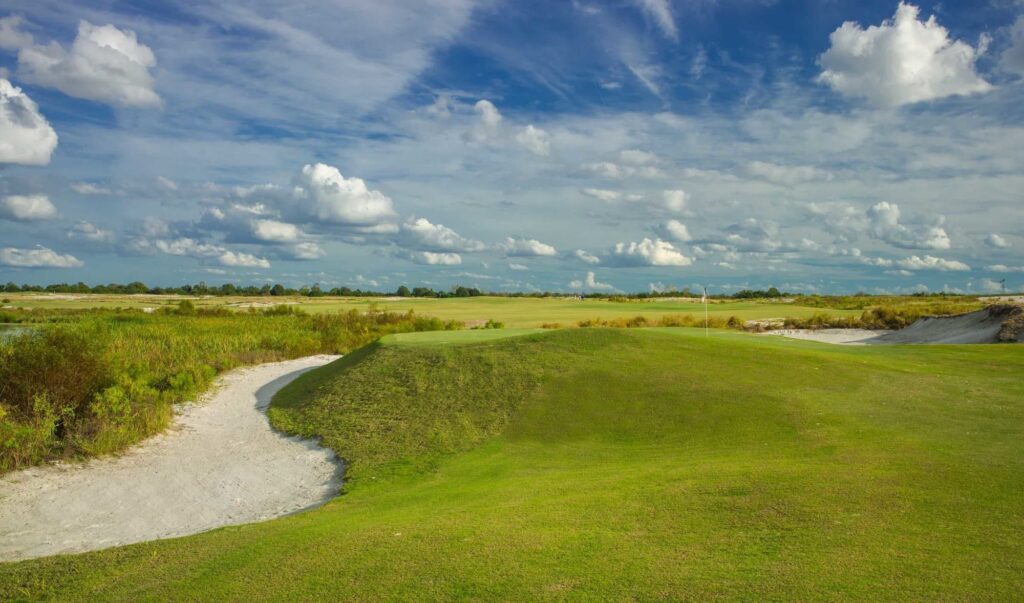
column 186, row 308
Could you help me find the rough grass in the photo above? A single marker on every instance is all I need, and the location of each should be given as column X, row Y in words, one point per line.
column 640, row 464
column 96, row 382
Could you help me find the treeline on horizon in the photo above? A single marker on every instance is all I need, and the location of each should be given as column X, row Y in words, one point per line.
column 279, row 290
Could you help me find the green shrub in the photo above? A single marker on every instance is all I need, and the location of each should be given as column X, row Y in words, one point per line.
column 186, row 308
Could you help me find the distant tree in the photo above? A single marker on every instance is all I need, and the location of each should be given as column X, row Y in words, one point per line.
column 403, row 291
column 277, row 289
column 136, row 287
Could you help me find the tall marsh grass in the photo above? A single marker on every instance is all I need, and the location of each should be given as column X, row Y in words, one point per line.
column 891, row 316
column 93, row 383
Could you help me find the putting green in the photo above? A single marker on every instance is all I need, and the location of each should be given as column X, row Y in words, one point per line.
column 455, row 337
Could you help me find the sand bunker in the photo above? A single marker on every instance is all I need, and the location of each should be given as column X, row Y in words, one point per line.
column 994, row 324
column 844, row 336
column 220, row 464
column 1002, row 323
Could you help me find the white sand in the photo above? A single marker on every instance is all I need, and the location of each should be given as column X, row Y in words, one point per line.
column 844, row 336
column 980, row 326
column 220, row 464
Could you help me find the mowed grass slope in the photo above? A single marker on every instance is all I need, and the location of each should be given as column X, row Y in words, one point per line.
column 619, row 464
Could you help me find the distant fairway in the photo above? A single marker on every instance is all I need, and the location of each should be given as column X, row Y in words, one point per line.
column 623, row 464
column 512, row 311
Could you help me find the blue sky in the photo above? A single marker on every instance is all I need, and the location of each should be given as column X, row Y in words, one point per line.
column 826, row 146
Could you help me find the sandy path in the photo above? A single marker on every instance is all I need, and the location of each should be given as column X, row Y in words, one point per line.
column 220, row 464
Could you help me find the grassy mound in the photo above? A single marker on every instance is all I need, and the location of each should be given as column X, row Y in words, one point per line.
column 624, row 464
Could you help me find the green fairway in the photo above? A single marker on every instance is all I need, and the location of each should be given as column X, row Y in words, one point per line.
column 639, row 464
column 512, row 311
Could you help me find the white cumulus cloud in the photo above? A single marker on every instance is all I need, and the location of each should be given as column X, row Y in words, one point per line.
column 184, row 246
column 430, row 258
column 274, row 231
column 586, row 257
column 488, row 121
column 603, row 194
column 89, row 188
column 86, row 231
column 244, row 260
column 996, row 241
column 306, row 251
column 11, row 36
column 535, row 140
column 590, row 283
column 885, row 225
column 674, row 230
column 674, row 200
column 648, row 252
column 903, row 60
column 930, row 262
column 26, row 137
column 420, row 233
column 324, row 194
column 39, row 257
column 27, row 208
column 517, row 247
column 104, row 64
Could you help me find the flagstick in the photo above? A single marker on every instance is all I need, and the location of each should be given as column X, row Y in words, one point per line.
column 705, row 311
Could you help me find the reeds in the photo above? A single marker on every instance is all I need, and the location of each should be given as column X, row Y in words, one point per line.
column 93, row 383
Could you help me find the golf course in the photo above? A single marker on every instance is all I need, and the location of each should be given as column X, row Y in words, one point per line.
column 511, row 301
column 620, row 464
